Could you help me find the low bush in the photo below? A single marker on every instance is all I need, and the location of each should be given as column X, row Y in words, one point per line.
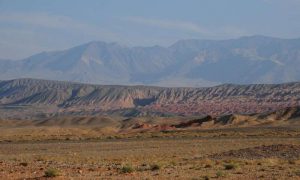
column 230, row 166
column 220, row 174
column 155, row 167
column 127, row 169
column 51, row 173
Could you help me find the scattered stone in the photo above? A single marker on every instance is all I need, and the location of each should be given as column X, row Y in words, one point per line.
column 282, row 151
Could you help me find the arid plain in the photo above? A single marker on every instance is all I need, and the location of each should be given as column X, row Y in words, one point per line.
column 77, row 150
column 139, row 89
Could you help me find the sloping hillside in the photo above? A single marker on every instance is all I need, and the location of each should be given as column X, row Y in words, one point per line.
column 42, row 97
column 283, row 117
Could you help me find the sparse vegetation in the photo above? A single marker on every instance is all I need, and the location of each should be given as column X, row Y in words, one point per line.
column 220, row 174
column 155, row 167
column 208, row 166
column 24, row 164
column 271, row 161
column 127, row 169
column 51, row 172
column 159, row 158
column 297, row 173
column 206, row 178
column 230, row 166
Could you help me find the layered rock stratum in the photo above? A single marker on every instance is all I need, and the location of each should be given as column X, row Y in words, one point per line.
column 33, row 97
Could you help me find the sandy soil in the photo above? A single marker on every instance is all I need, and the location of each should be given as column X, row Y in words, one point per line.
column 170, row 157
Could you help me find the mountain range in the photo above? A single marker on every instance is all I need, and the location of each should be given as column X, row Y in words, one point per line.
column 33, row 98
column 186, row 63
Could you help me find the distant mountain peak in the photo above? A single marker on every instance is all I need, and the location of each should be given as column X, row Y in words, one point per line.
column 191, row 62
column 99, row 44
column 257, row 37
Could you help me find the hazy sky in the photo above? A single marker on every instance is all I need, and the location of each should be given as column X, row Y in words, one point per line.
column 31, row 26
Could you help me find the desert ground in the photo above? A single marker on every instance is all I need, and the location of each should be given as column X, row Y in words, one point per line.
column 85, row 153
column 196, row 90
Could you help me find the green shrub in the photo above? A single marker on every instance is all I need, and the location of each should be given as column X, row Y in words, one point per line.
column 127, row 169
column 230, row 166
column 220, row 174
column 51, row 173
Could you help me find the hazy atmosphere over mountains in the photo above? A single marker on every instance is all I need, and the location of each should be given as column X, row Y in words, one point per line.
column 162, row 43
column 150, row 89
column 253, row 59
